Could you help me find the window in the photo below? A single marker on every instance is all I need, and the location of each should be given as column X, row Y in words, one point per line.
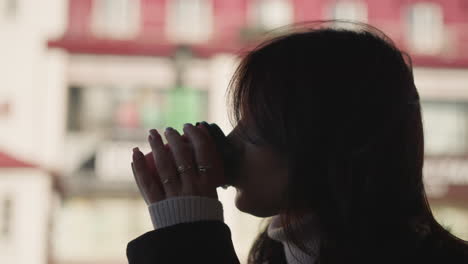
column 8, row 8
column 446, row 127
column 119, row 19
column 5, row 217
column 189, row 21
column 120, row 109
column 425, row 28
column 271, row 14
column 75, row 98
column 125, row 114
column 349, row 10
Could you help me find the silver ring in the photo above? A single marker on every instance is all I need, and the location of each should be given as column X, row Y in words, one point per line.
column 203, row 168
column 165, row 181
column 181, row 169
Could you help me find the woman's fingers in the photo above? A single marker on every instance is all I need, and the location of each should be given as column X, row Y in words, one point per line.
column 140, row 187
column 183, row 158
column 176, row 164
column 164, row 165
column 150, row 187
column 206, row 155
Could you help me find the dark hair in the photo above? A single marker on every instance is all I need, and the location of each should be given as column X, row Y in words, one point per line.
column 341, row 105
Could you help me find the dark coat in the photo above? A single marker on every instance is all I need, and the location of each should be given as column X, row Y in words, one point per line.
column 195, row 242
column 210, row 242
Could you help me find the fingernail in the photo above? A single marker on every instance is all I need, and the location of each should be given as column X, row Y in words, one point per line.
column 154, row 133
column 188, row 125
column 136, row 153
column 169, row 129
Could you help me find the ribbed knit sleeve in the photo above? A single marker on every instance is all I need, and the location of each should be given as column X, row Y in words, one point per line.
column 184, row 209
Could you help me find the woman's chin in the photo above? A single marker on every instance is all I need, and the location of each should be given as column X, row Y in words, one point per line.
column 245, row 205
column 242, row 202
column 239, row 200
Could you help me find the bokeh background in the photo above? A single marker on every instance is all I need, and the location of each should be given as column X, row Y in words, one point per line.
column 82, row 82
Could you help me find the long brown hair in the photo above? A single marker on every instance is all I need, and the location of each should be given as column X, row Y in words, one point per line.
column 342, row 106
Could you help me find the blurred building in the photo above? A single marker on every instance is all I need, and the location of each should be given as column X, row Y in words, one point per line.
column 30, row 128
column 29, row 197
column 132, row 65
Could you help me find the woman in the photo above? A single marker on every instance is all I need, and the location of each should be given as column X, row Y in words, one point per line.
column 329, row 123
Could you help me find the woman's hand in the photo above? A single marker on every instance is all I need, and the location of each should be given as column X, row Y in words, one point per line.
column 195, row 148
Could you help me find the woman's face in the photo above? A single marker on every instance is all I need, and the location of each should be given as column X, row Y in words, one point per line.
column 262, row 178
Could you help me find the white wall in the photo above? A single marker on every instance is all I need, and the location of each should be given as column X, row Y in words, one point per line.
column 32, row 79
column 30, row 191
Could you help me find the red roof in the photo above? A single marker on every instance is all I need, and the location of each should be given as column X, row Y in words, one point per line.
column 8, row 161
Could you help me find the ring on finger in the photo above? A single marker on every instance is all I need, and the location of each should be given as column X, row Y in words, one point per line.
column 181, row 169
column 202, row 168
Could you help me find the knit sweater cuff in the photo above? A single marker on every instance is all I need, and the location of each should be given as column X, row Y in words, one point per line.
column 184, row 209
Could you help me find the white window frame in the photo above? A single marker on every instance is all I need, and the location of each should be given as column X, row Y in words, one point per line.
column 425, row 35
column 353, row 10
column 105, row 22
column 448, row 128
column 271, row 14
column 189, row 21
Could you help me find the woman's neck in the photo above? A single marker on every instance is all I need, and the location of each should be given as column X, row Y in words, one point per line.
column 306, row 230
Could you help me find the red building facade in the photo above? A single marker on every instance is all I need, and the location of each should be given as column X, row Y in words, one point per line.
column 442, row 21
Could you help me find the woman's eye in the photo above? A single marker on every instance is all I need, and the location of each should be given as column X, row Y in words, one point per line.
column 253, row 139
column 247, row 136
column 237, row 141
